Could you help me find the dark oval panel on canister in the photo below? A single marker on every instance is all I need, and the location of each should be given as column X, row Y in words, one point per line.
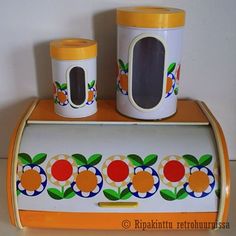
column 77, row 85
column 148, row 72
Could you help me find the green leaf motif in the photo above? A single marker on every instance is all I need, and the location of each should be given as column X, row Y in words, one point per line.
column 135, row 159
column 181, row 194
column 25, row 158
column 205, row 160
column 111, row 194
column 171, row 67
column 150, row 159
column 94, row 159
column 58, row 85
column 167, row 194
column 91, row 84
column 55, row 100
column 18, row 192
column 69, row 193
column 191, row 160
column 122, row 65
column 125, row 194
column 176, row 91
column 55, row 193
column 63, row 86
column 217, row 192
column 39, row 158
column 126, row 67
column 80, row 159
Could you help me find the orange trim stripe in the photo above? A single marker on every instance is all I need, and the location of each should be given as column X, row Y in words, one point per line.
column 110, row 221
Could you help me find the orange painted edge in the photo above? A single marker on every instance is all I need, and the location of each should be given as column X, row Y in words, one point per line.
column 10, row 161
column 9, row 172
column 226, row 161
column 188, row 111
column 108, row 221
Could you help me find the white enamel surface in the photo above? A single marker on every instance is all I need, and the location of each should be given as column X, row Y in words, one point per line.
column 172, row 39
column 118, row 140
column 60, row 71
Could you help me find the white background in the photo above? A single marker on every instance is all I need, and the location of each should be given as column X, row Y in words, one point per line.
column 26, row 27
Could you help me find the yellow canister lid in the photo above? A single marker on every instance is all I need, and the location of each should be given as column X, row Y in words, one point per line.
column 150, row 17
column 73, row 49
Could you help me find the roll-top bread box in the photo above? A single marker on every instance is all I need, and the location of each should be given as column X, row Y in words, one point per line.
column 108, row 171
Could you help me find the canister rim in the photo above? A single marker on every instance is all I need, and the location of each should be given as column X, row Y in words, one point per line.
column 73, row 49
column 150, row 17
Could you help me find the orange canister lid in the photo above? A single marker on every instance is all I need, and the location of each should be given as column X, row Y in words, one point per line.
column 73, row 49
column 150, row 17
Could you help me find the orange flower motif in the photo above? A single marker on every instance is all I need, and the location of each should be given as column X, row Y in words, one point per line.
column 32, row 180
column 92, row 93
column 88, row 181
column 200, row 183
column 122, row 79
column 145, row 182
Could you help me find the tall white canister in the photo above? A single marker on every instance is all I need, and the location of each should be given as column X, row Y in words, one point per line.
column 149, row 58
column 74, row 77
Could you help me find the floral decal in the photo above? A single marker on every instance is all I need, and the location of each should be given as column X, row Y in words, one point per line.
column 31, row 178
column 61, row 171
column 92, row 93
column 171, row 80
column 129, row 176
column 88, row 181
column 122, row 80
column 60, row 93
column 145, row 181
column 190, row 175
column 177, row 76
column 201, row 181
column 174, row 172
column 117, row 172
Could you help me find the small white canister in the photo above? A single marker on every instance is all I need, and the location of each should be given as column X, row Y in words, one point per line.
column 149, row 58
column 74, row 77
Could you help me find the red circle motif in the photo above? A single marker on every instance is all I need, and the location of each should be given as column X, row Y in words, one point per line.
column 174, row 171
column 118, row 171
column 61, row 170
